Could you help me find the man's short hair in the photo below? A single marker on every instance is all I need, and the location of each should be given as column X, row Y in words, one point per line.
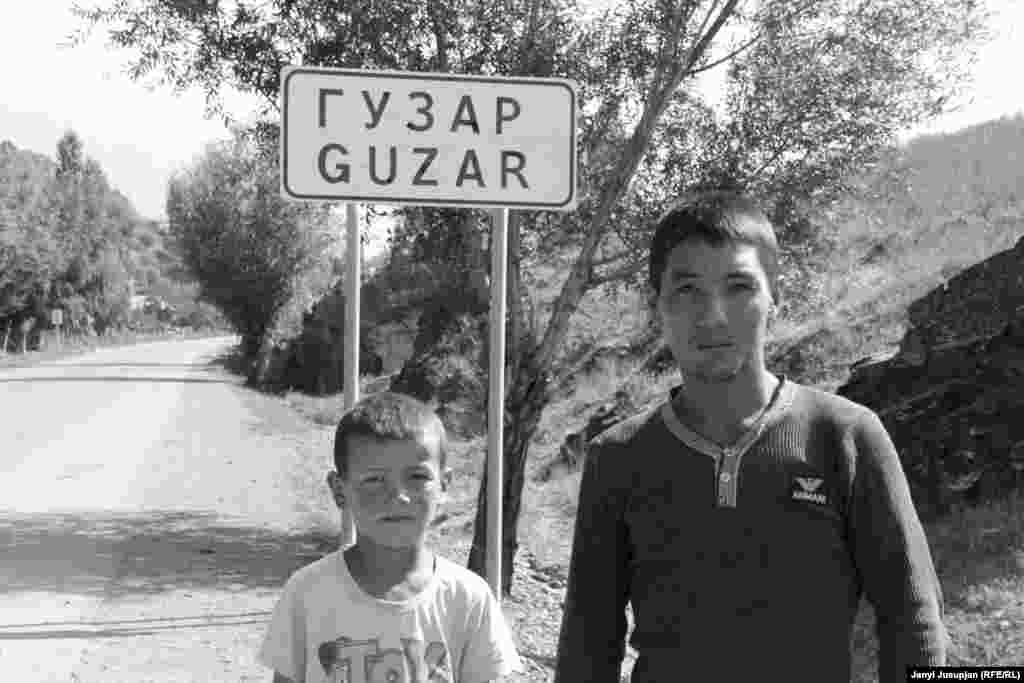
column 388, row 415
column 716, row 217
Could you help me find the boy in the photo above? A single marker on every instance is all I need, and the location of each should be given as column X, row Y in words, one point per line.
column 744, row 518
column 387, row 609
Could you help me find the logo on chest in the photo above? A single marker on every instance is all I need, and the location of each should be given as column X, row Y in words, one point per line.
column 809, row 490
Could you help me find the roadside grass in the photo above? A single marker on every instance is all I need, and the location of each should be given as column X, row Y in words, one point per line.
column 76, row 346
column 979, row 555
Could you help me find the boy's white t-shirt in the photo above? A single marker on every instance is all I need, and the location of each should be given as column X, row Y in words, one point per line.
column 326, row 629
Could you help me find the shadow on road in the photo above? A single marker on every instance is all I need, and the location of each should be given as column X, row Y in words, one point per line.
column 112, row 556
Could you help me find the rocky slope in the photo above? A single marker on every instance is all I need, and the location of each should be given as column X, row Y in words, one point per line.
column 953, row 394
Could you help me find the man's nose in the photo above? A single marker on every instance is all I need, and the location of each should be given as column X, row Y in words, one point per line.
column 711, row 310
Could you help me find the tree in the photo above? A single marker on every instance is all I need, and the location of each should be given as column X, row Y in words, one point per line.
column 249, row 248
column 70, row 160
column 92, row 221
column 815, row 89
column 30, row 257
column 64, row 237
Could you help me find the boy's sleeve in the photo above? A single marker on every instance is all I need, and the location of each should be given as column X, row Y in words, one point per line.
column 591, row 644
column 490, row 652
column 284, row 645
column 891, row 553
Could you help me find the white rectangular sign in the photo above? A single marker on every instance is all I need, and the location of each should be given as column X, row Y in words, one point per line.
column 394, row 137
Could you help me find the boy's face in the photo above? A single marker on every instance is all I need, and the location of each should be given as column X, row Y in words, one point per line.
column 392, row 488
column 714, row 306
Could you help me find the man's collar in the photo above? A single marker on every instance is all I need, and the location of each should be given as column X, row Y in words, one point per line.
column 778, row 404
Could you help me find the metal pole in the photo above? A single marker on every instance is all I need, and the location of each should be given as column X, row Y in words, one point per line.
column 496, row 400
column 351, row 357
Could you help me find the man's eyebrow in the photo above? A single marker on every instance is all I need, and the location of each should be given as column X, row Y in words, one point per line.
column 689, row 275
column 682, row 274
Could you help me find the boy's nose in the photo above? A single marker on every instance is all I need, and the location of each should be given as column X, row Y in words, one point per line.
column 399, row 492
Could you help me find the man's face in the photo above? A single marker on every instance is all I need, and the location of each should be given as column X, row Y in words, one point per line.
column 714, row 305
column 393, row 488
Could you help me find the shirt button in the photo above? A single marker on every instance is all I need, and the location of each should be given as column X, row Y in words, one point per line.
column 725, row 477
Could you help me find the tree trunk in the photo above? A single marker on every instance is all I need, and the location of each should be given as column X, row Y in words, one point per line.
column 519, row 430
column 7, row 336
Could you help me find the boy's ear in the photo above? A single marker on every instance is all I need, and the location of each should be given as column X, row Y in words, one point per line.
column 334, row 482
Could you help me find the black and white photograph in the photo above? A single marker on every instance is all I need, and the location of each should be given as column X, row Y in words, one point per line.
column 511, row 341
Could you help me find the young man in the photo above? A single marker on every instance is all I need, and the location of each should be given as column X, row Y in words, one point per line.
column 387, row 609
column 744, row 518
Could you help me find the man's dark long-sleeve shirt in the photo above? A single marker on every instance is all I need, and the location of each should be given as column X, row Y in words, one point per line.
column 749, row 560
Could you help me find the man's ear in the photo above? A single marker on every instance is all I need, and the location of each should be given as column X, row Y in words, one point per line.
column 335, row 483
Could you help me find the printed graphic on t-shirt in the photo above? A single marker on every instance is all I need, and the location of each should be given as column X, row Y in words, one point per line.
column 345, row 660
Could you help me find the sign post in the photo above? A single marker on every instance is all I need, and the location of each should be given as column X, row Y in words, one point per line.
column 432, row 139
column 57, row 319
column 353, row 259
column 496, row 397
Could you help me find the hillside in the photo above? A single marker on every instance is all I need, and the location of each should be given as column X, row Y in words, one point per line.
column 941, row 204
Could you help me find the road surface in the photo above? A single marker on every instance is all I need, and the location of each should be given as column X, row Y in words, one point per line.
column 151, row 507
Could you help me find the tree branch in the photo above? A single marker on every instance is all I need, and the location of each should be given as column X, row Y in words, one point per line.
column 771, row 160
column 440, row 35
column 703, row 41
column 621, row 273
column 732, row 55
column 618, row 258
column 573, row 367
column 707, row 18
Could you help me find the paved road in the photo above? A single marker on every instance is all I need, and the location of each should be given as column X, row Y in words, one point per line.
column 150, row 510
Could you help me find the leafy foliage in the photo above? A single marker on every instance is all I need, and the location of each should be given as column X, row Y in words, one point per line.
column 68, row 240
column 251, row 251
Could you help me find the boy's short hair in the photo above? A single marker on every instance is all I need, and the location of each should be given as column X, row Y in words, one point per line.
column 717, row 217
column 388, row 415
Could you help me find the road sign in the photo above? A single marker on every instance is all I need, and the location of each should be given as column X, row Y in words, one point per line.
column 56, row 317
column 395, row 137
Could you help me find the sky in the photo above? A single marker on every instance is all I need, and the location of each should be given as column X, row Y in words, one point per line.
column 141, row 135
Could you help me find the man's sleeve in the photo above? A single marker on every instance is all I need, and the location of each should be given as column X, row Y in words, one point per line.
column 284, row 645
column 892, row 557
column 592, row 640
